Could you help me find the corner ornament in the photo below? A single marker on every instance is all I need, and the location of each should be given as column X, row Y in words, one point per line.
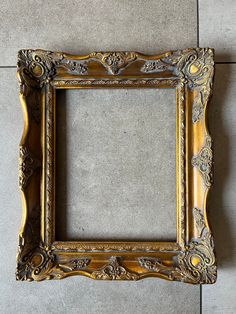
column 35, row 265
column 195, row 67
column 37, row 67
column 195, row 265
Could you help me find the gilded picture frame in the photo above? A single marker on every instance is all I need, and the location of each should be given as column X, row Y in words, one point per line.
column 191, row 258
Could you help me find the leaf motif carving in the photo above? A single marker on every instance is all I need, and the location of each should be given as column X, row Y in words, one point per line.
column 203, row 161
column 37, row 67
column 27, row 165
column 115, row 62
column 195, row 66
column 154, row 264
column 35, row 265
column 75, row 264
column 113, row 271
column 40, row 256
column 194, row 265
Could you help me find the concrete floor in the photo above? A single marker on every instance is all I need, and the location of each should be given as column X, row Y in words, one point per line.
column 151, row 26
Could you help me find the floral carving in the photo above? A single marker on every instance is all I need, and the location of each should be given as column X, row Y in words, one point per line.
column 115, row 62
column 75, row 67
column 40, row 264
column 194, row 265
column 27, row 165
column 114, row 271
column 198, row 108
column 197, row 263
column 154, row 264
column 195, row 66
column 40, row 256
column 36, row 67
column 75, row 264
column 35, row 265
column 203, row 161
column 199, row 221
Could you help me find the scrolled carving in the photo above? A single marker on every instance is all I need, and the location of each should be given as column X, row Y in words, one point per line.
column 203, row 161
column 196, row 66
column 154, row 264
column 76, row 263
column 196, row 264
column 40, row 263
column 75, row 67
column 114, row 271
column 115, row 62
column 27, row 165
column 40, row 256
column 35, row 265
column 199, row 221
column 37, row 67
column 198, row 107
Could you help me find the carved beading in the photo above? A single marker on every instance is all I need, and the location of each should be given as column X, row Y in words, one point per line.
column 124, row 82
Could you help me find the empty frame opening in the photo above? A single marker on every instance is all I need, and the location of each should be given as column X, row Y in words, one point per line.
column 115, row 164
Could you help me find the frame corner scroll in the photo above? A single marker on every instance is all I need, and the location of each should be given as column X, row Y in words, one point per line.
column 191, row 258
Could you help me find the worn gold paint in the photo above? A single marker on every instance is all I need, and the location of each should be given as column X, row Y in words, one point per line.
column 191, row 258
column 194, row 69
column 195, row 260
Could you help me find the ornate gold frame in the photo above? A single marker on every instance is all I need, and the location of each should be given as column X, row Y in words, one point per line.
column 191, row 258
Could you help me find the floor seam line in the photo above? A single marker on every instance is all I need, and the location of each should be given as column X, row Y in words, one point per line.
column 7, row 66
column 225, row 62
